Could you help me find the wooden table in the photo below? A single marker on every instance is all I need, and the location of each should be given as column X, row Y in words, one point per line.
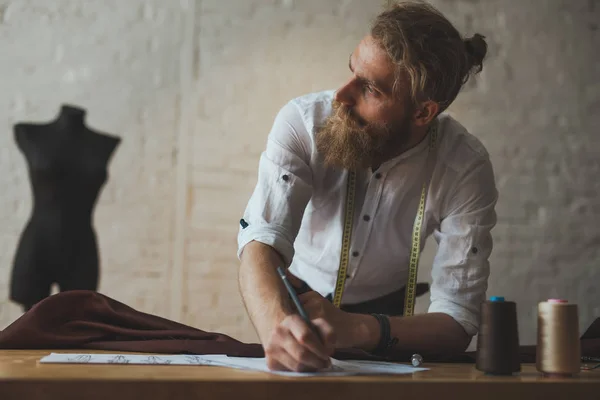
column 23, row 378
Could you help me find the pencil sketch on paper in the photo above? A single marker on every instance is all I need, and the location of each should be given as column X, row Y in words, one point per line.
column 214, row 360
column 119, row 359
column 338, row 368
column 156, row 360
column 195, row 360
column 81, row 358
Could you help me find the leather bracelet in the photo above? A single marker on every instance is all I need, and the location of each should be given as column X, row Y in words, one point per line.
column 385, row 337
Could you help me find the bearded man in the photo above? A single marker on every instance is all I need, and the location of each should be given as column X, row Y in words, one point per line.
column 355, row 180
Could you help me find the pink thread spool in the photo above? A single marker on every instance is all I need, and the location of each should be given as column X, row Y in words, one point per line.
column 558, row 347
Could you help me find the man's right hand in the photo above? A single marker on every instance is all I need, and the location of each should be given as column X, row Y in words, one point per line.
column 293, row 346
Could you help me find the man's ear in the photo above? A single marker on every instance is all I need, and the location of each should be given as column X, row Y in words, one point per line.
column 425, row 113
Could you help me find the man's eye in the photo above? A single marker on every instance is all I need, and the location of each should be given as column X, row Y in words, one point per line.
column 371, row 90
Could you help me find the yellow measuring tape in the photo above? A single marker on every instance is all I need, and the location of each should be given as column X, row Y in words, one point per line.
column 409, row 299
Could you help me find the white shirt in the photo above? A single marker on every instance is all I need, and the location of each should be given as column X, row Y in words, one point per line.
column 297, row 207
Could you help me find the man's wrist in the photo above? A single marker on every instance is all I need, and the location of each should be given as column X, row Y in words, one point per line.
column 367, row 331
column 271, row 320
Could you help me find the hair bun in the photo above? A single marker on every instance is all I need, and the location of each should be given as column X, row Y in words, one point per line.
column 476, row 47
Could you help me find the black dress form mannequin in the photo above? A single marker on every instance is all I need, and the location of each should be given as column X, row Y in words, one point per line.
column 67, row 164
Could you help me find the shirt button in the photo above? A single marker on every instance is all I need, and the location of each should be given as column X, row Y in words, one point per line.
column 355, row 253
column 366, row 218
column 285, row 178
column 377, row 175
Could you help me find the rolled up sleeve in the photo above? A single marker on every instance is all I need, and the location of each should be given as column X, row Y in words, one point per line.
column 461, row 266
column 284, row 186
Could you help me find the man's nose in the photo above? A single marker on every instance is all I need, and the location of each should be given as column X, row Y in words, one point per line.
column 344, row 95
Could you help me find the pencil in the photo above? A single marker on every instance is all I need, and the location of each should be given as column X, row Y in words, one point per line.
column 297, row 303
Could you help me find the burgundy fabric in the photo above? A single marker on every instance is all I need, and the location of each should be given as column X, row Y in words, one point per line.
column 89, row 320
column 84, row 319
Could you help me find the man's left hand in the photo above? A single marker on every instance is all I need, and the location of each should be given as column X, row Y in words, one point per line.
column 346, row 326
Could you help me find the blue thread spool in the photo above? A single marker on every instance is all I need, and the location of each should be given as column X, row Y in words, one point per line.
column 498, row 340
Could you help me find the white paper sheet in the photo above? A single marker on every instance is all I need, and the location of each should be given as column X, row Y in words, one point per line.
column 339, row 367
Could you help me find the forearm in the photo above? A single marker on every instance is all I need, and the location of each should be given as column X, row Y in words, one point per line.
column 262, row 291
column 423, row 333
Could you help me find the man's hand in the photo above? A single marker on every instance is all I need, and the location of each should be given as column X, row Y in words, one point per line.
column 293, row 346
column 347, row 327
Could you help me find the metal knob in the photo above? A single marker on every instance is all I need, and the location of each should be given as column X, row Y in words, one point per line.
column 416, row 360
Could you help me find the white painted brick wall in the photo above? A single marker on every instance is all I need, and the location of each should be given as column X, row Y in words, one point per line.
column 121, row 61
column 192, row 88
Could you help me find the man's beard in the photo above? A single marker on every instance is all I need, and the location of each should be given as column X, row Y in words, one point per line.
column 347, row 143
